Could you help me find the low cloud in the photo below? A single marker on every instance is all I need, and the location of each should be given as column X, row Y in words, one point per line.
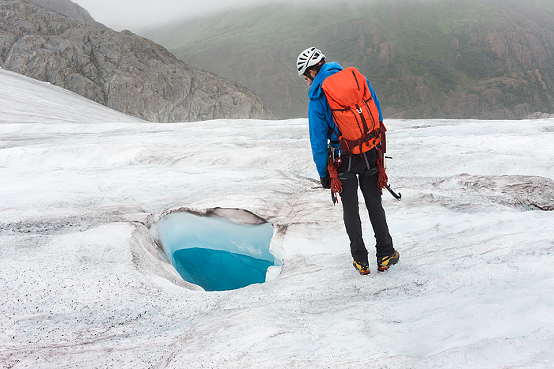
column 141, row 14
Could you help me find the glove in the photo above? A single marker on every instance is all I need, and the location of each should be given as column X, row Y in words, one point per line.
column 326, row 181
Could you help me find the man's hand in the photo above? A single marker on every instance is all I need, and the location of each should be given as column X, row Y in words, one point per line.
column 326, row 181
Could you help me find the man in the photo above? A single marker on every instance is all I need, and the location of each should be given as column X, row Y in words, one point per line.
column 354, row 168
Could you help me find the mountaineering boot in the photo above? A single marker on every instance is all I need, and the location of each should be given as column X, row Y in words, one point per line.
column 385, row 262
column 362, row 267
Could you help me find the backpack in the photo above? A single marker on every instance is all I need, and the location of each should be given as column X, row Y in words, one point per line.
column 354, row 112
column 357, row 118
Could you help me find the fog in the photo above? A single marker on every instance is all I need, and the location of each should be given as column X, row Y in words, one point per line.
column 139, row 14
column 136, row 15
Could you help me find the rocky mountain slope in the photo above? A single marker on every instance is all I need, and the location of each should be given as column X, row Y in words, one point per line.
column 489, row 59
column 67, row 8
column 121, row 70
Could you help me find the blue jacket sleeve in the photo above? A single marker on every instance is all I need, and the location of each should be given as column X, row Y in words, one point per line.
column 374, row 96
column 319, row 116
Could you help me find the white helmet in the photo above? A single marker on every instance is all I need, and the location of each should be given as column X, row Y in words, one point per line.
column 307, row 58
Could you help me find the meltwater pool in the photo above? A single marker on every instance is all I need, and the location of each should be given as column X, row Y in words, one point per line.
column 215, row 253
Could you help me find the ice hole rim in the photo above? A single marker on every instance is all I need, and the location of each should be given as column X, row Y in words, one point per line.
column 235, row 216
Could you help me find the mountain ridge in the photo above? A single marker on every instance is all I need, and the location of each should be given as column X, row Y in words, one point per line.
column 120, row 70
column 68, row 8
column 425, row 59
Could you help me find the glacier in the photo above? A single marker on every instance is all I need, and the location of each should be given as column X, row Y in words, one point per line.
column 85, row 284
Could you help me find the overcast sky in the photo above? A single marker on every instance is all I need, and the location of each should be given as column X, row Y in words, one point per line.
column 138, row 14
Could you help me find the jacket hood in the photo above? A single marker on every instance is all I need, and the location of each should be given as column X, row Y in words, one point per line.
column 326, row 70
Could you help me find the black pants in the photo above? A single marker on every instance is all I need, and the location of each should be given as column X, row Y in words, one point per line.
column 353, row 172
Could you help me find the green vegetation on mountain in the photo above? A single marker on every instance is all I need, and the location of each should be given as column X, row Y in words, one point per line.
column 491, row 59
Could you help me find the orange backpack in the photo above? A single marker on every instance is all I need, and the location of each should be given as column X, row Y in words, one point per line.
column 354, row 111
column 357, row 118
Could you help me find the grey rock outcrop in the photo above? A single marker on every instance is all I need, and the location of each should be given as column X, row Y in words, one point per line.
column 120, row 70
column 67, row 8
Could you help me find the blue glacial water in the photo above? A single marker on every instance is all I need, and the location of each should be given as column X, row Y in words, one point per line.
column 216, row 270
column 215, row 253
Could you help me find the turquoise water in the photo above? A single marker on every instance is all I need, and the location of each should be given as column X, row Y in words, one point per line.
column 215, row 253
column 215, row 270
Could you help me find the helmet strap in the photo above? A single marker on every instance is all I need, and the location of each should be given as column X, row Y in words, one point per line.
column 315, row 68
